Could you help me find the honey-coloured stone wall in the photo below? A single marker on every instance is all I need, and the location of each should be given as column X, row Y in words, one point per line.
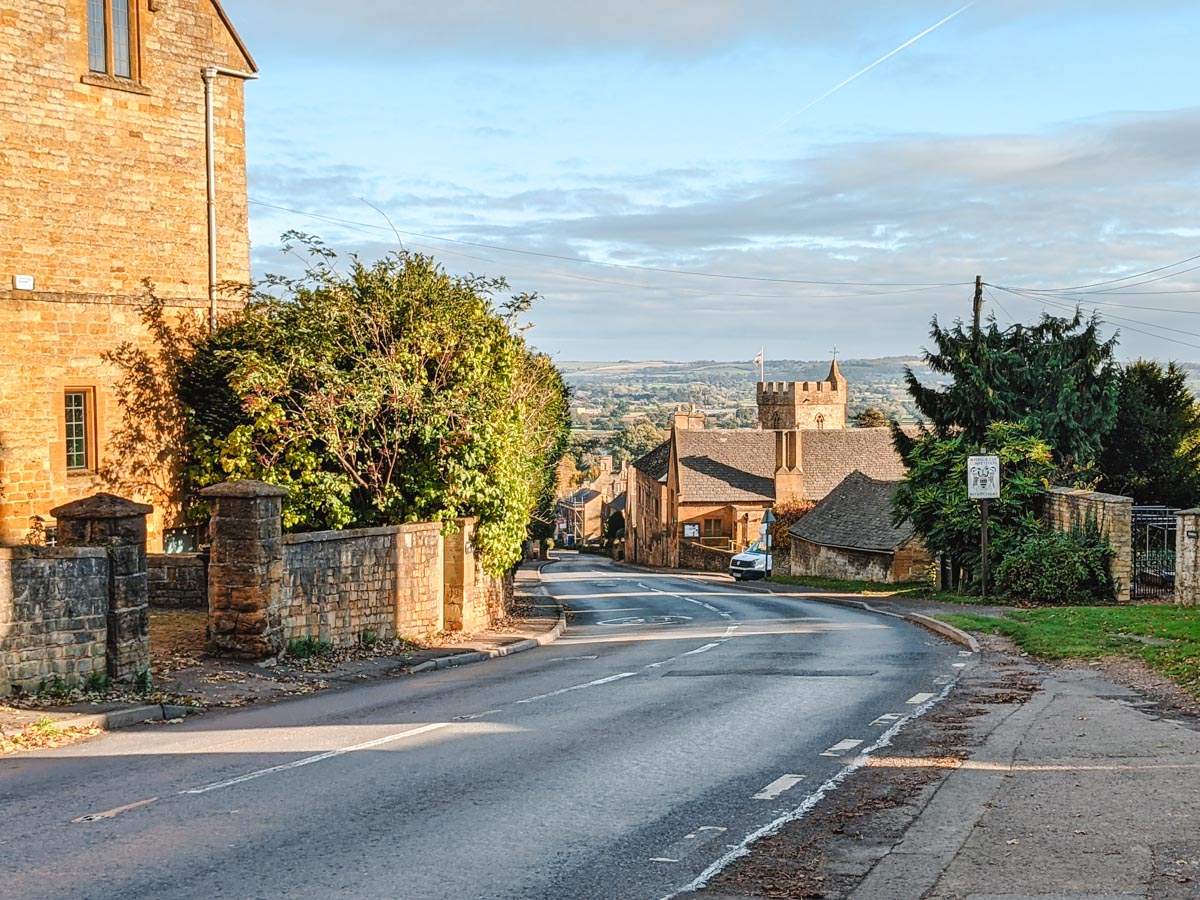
column 103, row 185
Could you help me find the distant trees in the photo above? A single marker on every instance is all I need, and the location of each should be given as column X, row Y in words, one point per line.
column 870, row 418
column 634, row 440
column 1152, row 451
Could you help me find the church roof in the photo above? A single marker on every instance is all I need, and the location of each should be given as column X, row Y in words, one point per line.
column 726, row 465
column 826, row 457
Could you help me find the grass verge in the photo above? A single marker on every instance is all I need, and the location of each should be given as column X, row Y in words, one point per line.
column 1166, row 638
column 875, row 589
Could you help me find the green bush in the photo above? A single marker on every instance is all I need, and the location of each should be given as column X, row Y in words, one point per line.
column 1056, row 569
column 308, row 647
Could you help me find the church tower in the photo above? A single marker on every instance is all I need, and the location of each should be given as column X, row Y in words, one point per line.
column 819, row 405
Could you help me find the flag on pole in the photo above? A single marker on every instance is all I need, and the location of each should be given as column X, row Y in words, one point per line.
column 758, row 359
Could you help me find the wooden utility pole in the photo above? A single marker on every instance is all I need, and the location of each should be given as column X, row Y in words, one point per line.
column 977, row 304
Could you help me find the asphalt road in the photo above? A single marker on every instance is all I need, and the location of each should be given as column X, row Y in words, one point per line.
column 674, row 719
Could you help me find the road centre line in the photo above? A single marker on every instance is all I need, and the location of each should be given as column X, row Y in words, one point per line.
column 918, row 699
column 580, row 687
column 841, row 747
column 309, row 760
column 742, row 848
column 703, row 649
column 778, row 786
column 110, row 813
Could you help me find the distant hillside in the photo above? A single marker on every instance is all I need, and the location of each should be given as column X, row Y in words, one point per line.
column 606, row 393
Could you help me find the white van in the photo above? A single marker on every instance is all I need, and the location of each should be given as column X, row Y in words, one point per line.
column 753, row 562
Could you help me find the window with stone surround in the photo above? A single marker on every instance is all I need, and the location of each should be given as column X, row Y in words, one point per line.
column 112, row 38
column 78, row 418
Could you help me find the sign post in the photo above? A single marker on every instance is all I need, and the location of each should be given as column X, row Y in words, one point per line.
column 983, row 484
column 768, row 520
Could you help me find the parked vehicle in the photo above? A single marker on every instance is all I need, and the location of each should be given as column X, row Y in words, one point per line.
column 753, row 562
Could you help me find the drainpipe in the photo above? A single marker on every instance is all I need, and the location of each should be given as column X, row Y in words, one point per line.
column 209, row 75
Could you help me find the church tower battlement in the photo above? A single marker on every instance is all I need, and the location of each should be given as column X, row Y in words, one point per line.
column 784, row 405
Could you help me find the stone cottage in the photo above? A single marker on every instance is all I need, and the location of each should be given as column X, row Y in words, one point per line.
column 850, row 535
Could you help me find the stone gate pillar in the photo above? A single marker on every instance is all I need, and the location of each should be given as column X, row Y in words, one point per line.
column 119, row 526
column 1187, row 557
column 245, row 569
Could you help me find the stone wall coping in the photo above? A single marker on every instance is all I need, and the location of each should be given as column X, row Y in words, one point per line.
column 185, row 558
column 102, row 506
column 17, row 553
column 244, row 488
column 1085, row 494
column 309, row 537
column 417, row 527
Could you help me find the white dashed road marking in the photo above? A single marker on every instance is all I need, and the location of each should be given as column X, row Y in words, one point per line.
column 778, row 786
column 887, row 719
column 309, row 760
column 690, row 843
column 580, row 687
column 841, row 747
column 918, row 699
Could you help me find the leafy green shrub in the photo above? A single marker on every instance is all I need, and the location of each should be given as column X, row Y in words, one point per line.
column 308, row 647
column 1057, row 569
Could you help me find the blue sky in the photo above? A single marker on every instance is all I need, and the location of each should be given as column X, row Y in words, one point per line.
column 1043, row 145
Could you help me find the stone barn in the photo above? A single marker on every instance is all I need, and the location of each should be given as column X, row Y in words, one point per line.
column 850, row 535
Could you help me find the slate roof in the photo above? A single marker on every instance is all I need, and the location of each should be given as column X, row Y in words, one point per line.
column 618, row 503
column 583, row 495
column 726, row 465
column 656, row 462
column 827, row 457
column 856, row 515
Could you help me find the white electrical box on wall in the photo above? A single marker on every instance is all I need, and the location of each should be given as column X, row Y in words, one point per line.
column 22, row 282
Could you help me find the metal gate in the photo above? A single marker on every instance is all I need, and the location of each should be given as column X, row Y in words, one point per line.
column 1153, row 553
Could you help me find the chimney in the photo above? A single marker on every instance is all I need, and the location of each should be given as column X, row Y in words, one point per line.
column 789, row 470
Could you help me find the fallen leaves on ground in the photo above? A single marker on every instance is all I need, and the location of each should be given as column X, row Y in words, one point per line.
column 43, row 735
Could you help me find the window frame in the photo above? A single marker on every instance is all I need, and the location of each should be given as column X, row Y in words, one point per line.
column 107, row 33
column 86, row 429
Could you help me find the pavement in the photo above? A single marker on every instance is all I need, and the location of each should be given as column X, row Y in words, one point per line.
column 188, row 681
column 1085, row 790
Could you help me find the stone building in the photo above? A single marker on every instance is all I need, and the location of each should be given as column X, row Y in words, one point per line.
column 816, row 405
column 104, row 166
column 850, row 535
column 709, row 488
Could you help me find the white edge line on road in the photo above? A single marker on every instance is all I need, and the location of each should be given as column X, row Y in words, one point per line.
column 309, row 760
column 918, row 699
column 580, row 687
column 743, row 847
column 778, row 786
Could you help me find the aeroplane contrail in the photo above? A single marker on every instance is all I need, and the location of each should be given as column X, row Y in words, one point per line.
column 912, row 40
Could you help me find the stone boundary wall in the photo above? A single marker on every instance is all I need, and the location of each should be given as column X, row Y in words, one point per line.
column 1187, row 557
column 706, row 559
column 819, row 561
column 1070, row 507
column 420, row 581
column 339, row 584
column 178, row 580
column 53, row 615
